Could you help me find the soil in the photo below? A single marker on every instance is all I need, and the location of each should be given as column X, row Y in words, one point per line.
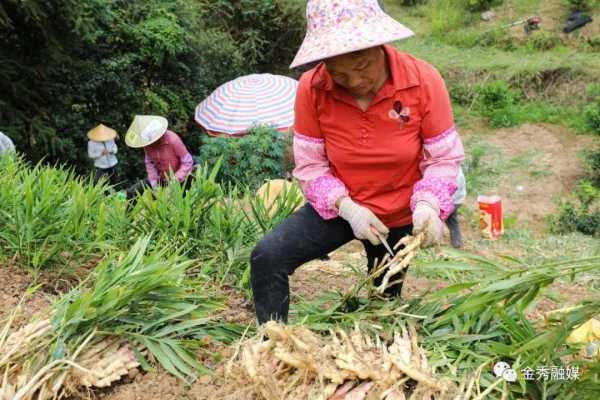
column 15, row 282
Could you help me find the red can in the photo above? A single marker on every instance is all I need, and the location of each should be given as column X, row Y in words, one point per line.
column 490, row 216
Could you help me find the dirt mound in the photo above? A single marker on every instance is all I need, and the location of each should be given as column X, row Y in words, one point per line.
column 14, row 285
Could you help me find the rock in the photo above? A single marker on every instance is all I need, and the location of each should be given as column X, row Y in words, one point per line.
column 488, row 15
column 132, row 373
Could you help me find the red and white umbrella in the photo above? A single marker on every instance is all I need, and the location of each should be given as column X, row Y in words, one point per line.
column 248, row 101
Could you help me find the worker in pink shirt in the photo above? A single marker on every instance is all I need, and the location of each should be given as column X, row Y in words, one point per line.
column 164, row 151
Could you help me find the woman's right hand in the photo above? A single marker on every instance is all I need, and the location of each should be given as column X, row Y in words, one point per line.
column 361, row 219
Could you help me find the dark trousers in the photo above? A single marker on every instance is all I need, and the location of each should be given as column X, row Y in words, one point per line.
column 454, row 228
column 108, row 173
column 302, row 237
column 137, row 188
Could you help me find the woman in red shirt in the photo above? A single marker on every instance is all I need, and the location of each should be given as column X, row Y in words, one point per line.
column 164, row 151
column 375, row 147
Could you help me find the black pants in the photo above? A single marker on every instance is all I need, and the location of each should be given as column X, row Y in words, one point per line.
column 454, row 228
column 137, row 188
column 302, row 237
column 108, row 173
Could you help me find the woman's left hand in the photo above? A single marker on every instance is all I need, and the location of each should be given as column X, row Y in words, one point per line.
column 427, row 219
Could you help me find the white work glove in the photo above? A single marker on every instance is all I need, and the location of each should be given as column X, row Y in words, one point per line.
column 362, row 220
column 426, row 219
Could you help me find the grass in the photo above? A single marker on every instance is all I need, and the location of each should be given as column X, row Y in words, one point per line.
column 485, row 165
column 451, row 40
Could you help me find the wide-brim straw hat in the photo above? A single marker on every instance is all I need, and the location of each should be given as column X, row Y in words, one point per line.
column 337, row 27
column 102, row 133
column 145, row 130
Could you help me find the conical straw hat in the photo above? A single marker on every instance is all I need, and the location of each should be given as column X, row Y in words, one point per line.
column 102, row 133
column 145, row 130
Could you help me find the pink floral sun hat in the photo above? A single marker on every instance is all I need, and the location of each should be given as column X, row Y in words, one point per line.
column 337, row 27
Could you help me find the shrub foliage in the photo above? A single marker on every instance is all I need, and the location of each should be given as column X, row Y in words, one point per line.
column 70, row 64
column 250, row 159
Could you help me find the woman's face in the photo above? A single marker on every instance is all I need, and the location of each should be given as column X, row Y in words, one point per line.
column 360, row 73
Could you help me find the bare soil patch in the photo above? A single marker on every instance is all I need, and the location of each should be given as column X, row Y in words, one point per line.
column 549, row 170
column 14, row 283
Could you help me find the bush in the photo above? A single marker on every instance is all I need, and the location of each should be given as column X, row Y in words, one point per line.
column 267, row 32
column 461, row 94
column 449, row 15
column 68, row 65
column 248, row 160
column 541, row 40
column 591, row 113
column 593, row 44
column 582, row 215
column 469, row 38
column 446, row 16
column 591, row 162
column 479, row 5
column 580, row 5
column 496, row 95
column 504, row 118
column 497, row 101
column 499, row 37
column 593, row 90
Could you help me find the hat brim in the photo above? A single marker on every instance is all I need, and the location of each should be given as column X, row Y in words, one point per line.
column 348, row 38
column 102, row 133
column 102, row 136
column 135, row 139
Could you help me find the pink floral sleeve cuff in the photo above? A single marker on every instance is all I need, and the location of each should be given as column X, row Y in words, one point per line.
column 436, row 192
column 323, row 192
column 440, row 167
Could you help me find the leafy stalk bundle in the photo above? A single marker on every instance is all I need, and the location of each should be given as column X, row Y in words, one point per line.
column 144, row 299
column 469, row 326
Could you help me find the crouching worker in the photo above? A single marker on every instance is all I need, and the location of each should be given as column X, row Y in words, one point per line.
column 164, row 152
column 375, row 149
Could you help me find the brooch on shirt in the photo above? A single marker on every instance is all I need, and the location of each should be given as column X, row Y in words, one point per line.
column 402, row 114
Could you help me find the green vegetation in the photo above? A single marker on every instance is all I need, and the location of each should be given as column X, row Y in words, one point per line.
column 250, row 159
column 68, row 65
column 146, row 298
column 581, row 5
column 581, row 215
column 472, row 54
column 591, row 161
column 475, row 322
column 43, row 227
column 592, row 110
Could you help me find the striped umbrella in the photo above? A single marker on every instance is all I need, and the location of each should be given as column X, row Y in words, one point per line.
column 258, row 99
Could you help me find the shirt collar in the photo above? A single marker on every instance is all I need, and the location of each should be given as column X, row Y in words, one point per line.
column 402, row 71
